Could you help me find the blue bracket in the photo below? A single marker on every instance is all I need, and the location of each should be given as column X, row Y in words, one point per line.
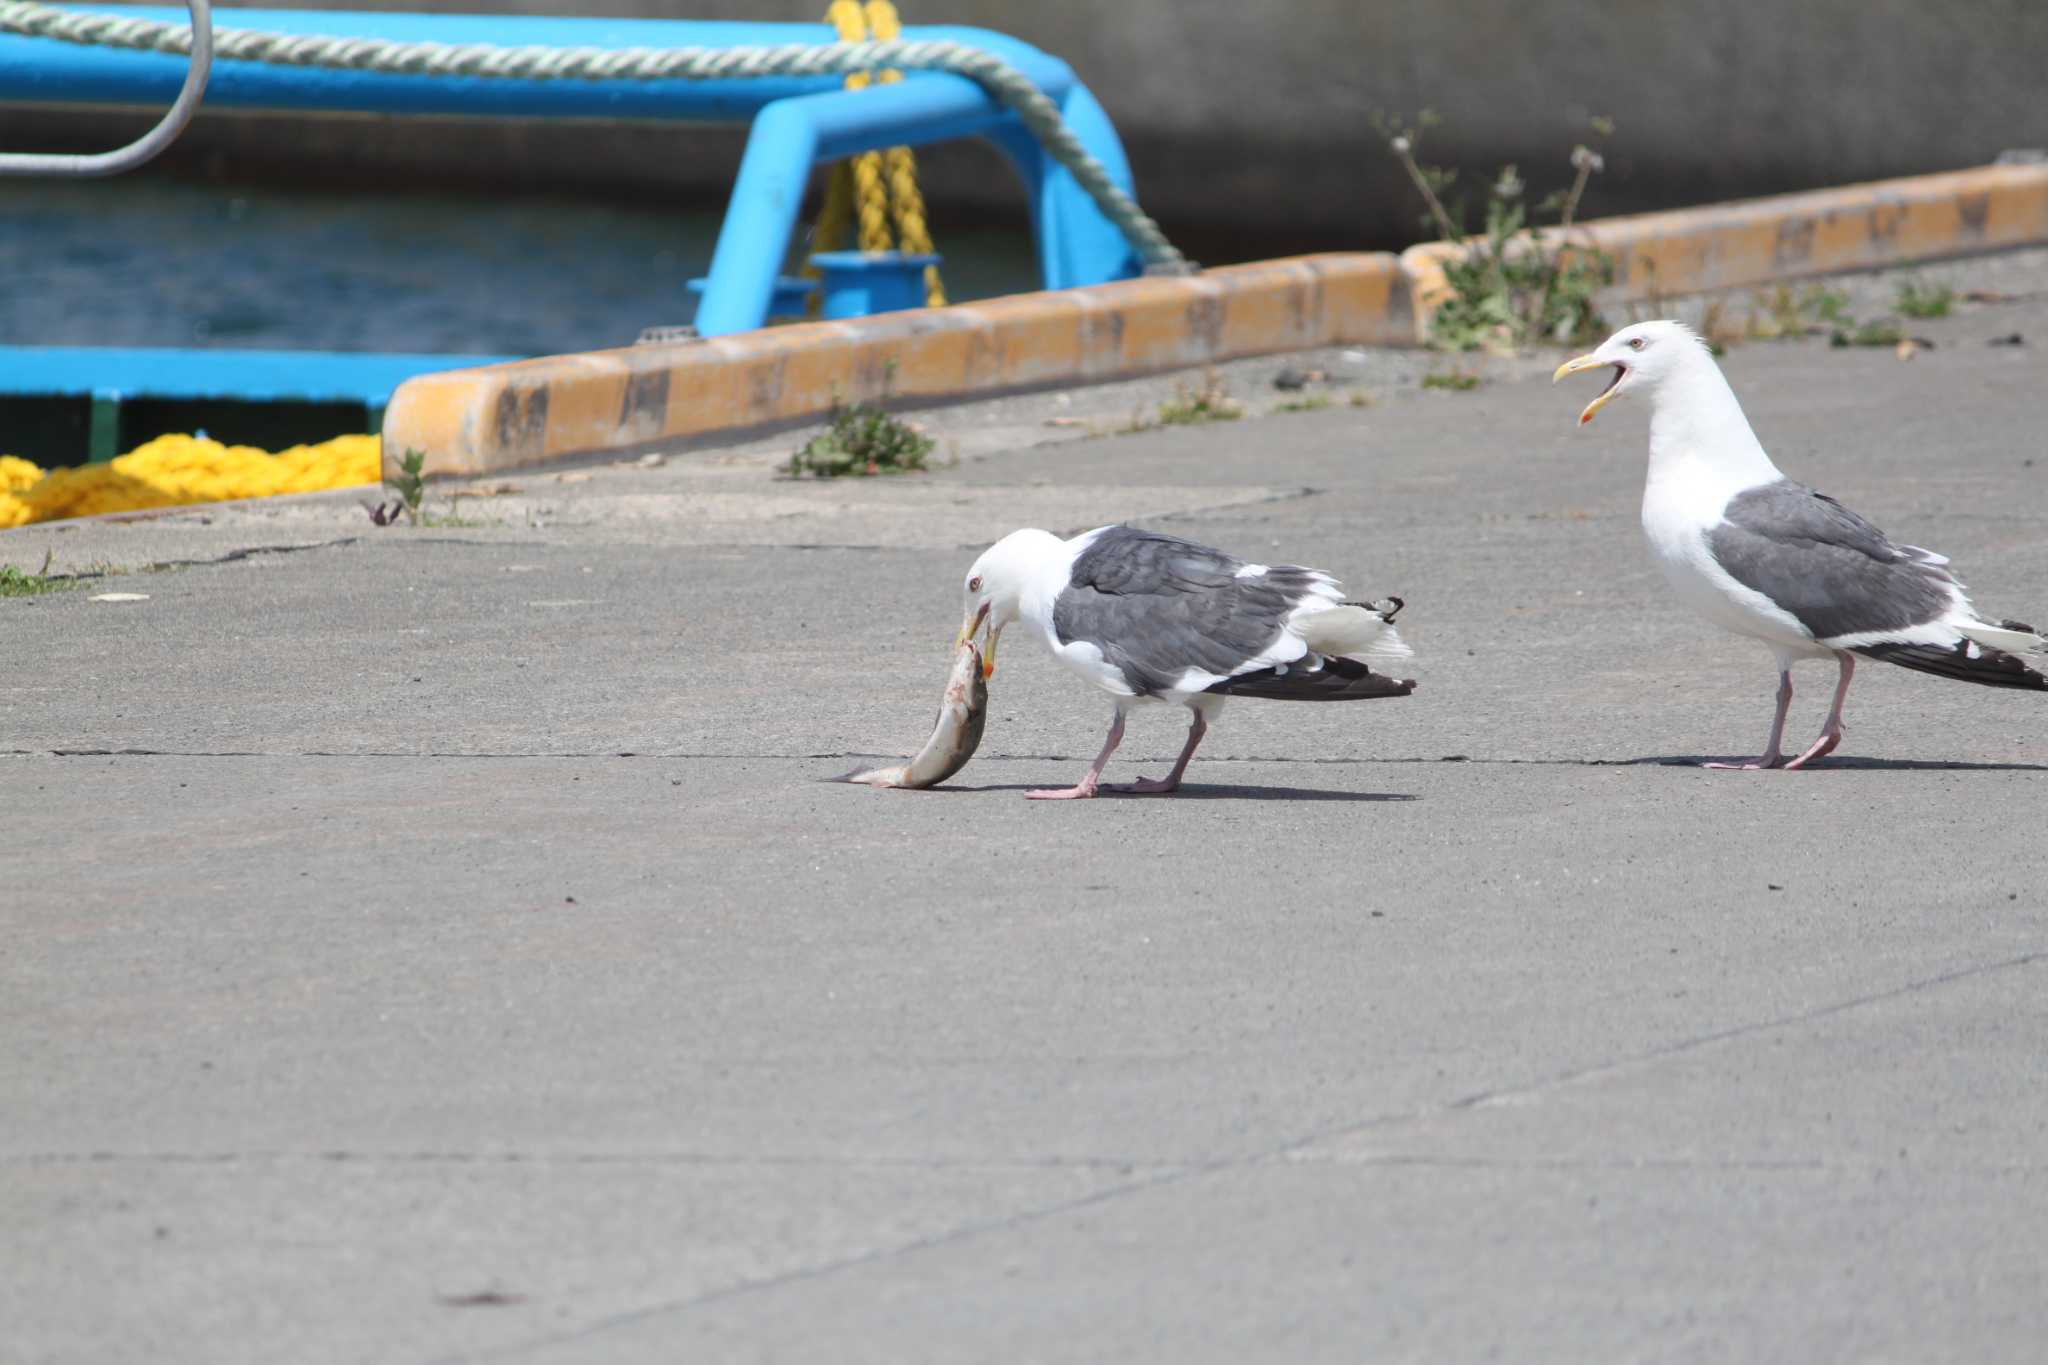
column 858, row 283
column 790, row 297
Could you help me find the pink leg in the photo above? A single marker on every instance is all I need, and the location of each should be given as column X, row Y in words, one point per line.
column 1830, row 733
column 1160, row 786
column 1771, row 756
column 1086, row 786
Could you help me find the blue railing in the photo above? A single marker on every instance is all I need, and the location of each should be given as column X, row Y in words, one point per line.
column 797, row 122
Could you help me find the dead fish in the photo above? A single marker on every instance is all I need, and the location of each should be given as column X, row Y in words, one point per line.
column 963, row 712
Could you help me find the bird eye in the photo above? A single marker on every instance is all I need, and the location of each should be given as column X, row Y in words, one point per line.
column 974, row 583
column 1635, row 343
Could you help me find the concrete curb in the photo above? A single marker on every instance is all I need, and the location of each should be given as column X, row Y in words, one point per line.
column 507, row 416
column 1760, row 241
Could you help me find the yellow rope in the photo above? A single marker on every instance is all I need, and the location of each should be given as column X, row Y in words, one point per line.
column 905, row 198
column 173, row 470
column 874, row 186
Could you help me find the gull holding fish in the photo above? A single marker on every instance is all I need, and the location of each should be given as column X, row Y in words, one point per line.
column 1153, row 618
column 1774, row 560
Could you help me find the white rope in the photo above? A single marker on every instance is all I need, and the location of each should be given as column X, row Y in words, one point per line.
column 1004, row 83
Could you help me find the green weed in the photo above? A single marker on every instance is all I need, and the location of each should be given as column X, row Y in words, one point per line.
column 452, row 518
column 1210, row 402
column 1785, row 313
column 1917, row 300
column 1509, row 288
column 410, row 484
column 861, row 439
column 1453, row 381
column 15, row 583
column 1881, row 333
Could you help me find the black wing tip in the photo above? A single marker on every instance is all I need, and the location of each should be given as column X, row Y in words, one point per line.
column 1338, row 679
column 1387, row 608
column 1987, row 668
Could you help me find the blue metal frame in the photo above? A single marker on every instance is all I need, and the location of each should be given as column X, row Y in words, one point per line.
column 797, row 121
column 244, row 376
column 108, row 376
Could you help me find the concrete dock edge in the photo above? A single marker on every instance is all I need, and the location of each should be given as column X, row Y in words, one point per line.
column 562, row 407
column 508, row 416
column 1820, row 232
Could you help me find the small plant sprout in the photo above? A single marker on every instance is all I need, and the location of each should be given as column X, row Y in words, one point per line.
column 410, row 484
column 1784, row 313
column 1431, row 181
column 1210, row 402
column 1918, row 300
column 1450, row 381
column 452, row 517
column 1883, row 332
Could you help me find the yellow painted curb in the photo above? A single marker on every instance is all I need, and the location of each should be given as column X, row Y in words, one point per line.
column 505, row 416
column 1759, row 241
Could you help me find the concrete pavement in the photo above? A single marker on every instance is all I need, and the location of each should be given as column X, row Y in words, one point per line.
column 436, row 944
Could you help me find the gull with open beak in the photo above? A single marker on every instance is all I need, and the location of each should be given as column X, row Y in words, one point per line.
column 1776, row 561
column 1148, row 617
column 1593, row 361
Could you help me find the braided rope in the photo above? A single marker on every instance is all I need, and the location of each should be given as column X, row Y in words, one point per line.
column 871, row 198
column 899, row 167
column 1004, row 83
column 870, row 194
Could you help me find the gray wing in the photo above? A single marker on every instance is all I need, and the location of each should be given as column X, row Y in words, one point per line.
column 1157, row 606
column 1832, row 570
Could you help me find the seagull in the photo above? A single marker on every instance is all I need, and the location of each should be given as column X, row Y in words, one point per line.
column 1774, row 560
column 1153, row 618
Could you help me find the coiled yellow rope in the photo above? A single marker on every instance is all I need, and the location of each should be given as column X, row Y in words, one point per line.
column 875, row 186
column 173, row 470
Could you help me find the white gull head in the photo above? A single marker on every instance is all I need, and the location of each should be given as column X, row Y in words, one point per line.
column 1694, row 417
column 1001, row 578
column 1650, row 358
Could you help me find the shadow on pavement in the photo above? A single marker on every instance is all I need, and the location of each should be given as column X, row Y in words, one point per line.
column 1194, row 791
column 1822, row 765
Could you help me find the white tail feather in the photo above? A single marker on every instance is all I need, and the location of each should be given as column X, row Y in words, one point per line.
column 1998, row 637
column 1353, row 632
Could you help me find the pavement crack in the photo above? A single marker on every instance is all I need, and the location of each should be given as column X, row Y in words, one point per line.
column 714, row 1160
column 1759, row 1165
column 878, row 1255
column 248, row 552
column 1295, row 1149
column 1575, row 1075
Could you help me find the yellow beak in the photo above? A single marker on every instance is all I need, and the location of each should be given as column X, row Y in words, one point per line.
column 1587, row 362
column 971, row 623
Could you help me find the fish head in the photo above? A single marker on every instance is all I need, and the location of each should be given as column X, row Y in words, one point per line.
column 967, row 683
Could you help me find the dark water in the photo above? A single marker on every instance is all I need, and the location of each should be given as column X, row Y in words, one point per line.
column 158, row 263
